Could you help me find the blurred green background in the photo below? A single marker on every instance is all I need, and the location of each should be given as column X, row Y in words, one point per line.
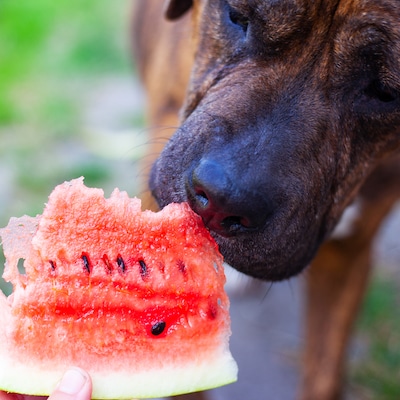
column 70, row 106
column 69, row 103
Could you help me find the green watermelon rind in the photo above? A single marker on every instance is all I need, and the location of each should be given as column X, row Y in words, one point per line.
column 117, row 385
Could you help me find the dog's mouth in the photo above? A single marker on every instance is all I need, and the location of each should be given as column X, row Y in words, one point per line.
column 274, row 246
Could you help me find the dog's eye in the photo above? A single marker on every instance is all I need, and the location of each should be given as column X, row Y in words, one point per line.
column 239, row 20
column 378, row 90
column 377, row 98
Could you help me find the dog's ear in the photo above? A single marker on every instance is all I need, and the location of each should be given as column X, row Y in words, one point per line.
column 173, row 9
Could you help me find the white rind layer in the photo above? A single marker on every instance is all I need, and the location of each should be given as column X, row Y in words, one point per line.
column 216, row 370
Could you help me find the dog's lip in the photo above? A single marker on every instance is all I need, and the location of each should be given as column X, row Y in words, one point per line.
column 231, row 245
column 227, row 226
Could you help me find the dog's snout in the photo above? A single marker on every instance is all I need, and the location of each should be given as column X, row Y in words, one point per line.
column 224, row 206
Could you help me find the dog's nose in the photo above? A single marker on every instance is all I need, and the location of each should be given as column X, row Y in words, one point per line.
column 224, row 207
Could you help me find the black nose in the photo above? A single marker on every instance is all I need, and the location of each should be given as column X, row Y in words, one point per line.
column 225, row 206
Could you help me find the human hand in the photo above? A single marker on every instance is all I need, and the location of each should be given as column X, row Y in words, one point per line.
column 74, row 385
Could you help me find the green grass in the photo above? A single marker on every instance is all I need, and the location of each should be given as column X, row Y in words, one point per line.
column 45, row 41
column 52, row 54
column 378, row 372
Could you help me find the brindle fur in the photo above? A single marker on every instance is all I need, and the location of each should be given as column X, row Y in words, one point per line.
column 298, row 104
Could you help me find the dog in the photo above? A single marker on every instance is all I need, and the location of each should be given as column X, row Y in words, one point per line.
column 289, row 115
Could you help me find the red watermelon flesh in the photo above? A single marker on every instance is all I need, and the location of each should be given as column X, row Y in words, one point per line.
column 136, row 298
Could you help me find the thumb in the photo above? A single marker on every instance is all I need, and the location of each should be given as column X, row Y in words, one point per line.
column 74, row 385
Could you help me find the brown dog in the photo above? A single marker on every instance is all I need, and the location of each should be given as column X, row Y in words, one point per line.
column 291, row 112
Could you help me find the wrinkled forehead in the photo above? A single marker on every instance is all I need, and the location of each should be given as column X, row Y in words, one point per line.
column 279, row 8
column 264, row 7
column 280, row 19
column 281, row 11
column 277, row 19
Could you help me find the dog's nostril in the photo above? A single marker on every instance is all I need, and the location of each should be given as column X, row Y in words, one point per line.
column 202, row 198
column 225, row 207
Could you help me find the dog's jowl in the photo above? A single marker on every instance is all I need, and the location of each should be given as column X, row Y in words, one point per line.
column 290, row 111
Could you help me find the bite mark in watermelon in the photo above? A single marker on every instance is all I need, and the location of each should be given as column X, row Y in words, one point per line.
column 136, row 298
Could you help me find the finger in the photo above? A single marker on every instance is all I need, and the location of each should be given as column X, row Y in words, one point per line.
column 74, row 385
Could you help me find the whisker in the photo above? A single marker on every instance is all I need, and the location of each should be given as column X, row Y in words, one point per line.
column 267, row 292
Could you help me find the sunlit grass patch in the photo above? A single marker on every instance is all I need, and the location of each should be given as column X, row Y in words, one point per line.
column 377, row 373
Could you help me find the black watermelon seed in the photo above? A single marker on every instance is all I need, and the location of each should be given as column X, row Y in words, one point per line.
column 52, row 265
column 143, row 268
column 86, row 262
column 158, row 328
column 121, row 264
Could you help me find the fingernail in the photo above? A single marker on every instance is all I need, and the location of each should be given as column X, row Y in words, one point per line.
column 72, row 381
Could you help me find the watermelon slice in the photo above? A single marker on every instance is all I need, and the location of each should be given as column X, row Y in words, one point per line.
column 136, row 298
